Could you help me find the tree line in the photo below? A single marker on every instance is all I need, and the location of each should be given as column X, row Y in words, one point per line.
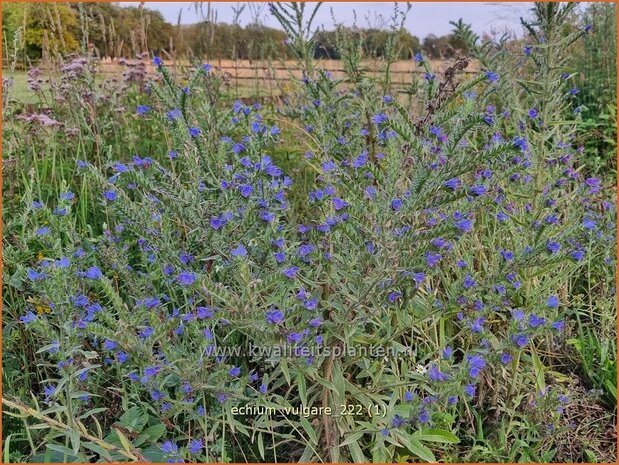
column 33, row 31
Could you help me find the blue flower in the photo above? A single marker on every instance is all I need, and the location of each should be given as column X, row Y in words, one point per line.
column 194, row 132
column 558, row 325
column 93, row 273
column 553, row 247
column 478, row 190
column 142, row 109
column 169, row 447
column 274, row 317
column 491, row 76
column 588, row 223
column 464, row 225
column 453, row 183
column 238, row 148
column 239, row 251
column 110, row 195
column 535, row 321
column 521, row 340
column 147, row 332
column 291, row 271
column 361, row 160
column 435, row 374
column 418, row 57
column 196, row 445
column 204, row 312
column 469, row 282
column 43, row 231
column 151, row 371
column 246, row 190
column 398, row 421
column 109, row 344
column 34, row 275
column 339, row 204
column 49, row 391
column 380, row 118
column 424, row 417
column 432, row 259
column 502, row 216
column 553, row 301
column 217, row 222
column 28, row 318
column 174, row 114
column 520, row 143
column 396, row 204
column 506, row 358
column 234, row 371
column 208, row 334
column 186, row 278
column 469, row 390
column 157, row 61
column 528, row 50
column 305, row 250
column 477, row 326
column 329, row 166
column 476, row 364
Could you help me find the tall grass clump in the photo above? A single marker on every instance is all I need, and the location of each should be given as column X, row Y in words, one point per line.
column 596, row 85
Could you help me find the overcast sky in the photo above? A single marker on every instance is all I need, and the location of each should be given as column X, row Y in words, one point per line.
column 423, row 19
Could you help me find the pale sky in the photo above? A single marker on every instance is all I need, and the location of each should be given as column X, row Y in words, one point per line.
column 423, row 19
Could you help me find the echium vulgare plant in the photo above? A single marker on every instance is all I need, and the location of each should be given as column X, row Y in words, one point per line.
column 425, row 272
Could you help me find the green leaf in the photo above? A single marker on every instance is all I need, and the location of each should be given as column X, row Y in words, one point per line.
column 352, row 438
column 416, row 447
column 154, row 432
column 305, row 424
column 437, row 435
column 91, row 412
column 356, row 453
column 75, row 440
column 538, row 369
column 261, row 445
column 284, row 367
column 99, row 450
column 62, row 449
column 7, row 447
column 301, row 386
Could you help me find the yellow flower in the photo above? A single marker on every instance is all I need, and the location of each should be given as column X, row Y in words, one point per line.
column 41, row 309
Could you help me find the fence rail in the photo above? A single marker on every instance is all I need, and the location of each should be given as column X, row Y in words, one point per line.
column 246, row 70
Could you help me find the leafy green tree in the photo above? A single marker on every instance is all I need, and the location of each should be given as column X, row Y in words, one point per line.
column 50, row 27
